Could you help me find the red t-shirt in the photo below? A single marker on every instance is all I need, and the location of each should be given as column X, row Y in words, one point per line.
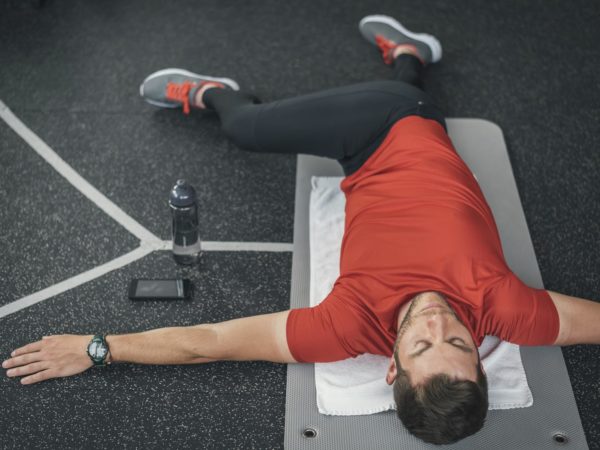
column 416, row 220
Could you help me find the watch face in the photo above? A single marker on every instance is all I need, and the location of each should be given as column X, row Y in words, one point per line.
column 97, row 350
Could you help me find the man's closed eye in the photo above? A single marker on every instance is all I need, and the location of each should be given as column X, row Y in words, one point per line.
column 454, row 341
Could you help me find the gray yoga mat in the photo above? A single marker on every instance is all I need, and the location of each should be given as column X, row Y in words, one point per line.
column 553, row 420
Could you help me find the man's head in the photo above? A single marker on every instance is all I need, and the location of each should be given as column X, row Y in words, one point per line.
column 440, row 388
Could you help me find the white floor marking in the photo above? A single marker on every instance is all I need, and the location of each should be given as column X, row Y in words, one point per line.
column 73, row 177
column 148, row 241
column 75, row 281
column 223, row 246
column 144, row 249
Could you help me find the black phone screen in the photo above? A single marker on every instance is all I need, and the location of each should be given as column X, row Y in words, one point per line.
column 159, row 289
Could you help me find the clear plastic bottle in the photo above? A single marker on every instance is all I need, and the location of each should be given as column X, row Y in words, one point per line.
column 184, row 211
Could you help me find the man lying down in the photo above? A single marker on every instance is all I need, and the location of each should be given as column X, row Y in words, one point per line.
column 422, row 274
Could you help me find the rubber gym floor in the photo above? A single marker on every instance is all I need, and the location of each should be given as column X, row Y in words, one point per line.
column 70, row 71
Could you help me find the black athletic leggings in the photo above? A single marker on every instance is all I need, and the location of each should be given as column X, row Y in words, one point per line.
column 346, row 123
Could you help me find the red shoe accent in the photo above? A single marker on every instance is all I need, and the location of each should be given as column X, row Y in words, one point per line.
column 387, row 49
column 180, row 92
column 385, row 45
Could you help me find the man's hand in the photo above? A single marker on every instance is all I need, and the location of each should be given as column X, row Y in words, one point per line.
column 52, row 357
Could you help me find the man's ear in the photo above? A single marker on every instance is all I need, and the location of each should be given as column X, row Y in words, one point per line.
column 392, row 372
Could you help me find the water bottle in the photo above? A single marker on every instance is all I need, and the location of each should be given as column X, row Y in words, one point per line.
column 184, row 210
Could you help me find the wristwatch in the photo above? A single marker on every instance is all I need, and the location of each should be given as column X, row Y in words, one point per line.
column 98, row 350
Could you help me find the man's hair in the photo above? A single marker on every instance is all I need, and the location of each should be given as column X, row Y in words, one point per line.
column 441, row 410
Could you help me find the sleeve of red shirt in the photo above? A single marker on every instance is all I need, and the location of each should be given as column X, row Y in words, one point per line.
column 311, row 332
column 520, row 314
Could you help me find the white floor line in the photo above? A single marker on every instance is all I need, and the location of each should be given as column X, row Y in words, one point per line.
column 224, row 246
column 75, row 281
column 146, row 248
column 73, row 177
column 148, row 241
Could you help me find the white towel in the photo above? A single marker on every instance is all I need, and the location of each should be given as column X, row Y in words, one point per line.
column 357, row 386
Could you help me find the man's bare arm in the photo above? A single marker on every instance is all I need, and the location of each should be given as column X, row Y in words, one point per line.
column 260, row 337
column 579, row 320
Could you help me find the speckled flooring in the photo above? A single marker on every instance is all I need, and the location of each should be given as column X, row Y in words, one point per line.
column 71, row 70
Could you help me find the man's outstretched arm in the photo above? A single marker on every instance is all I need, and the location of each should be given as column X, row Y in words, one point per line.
column 579, row 320
column 260, row 337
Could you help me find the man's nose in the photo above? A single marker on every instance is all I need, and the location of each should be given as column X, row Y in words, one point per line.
column 437, row 323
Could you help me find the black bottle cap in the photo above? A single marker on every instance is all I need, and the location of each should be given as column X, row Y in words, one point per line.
column 182, row 195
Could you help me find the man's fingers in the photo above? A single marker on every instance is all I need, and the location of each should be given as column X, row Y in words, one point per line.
column 40, row 376
column 33, row 347
column 28, row 369
column 22, row 360
column 24, row 355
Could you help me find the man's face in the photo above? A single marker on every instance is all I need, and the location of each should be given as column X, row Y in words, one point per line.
column 431, row 340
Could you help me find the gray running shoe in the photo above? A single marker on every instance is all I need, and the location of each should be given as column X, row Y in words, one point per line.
column 386, row 33
column 174, row 88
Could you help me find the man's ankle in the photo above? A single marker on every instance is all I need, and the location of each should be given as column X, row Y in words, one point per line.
column 405, row 49
column 199, row 94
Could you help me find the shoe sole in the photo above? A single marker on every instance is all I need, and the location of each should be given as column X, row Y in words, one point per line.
column 431, row 41
column 228, row 81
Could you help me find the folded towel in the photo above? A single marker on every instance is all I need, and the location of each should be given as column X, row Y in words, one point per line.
column 357, row 386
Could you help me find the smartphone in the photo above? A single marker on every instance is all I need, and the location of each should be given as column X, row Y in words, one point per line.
column 174, row 289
